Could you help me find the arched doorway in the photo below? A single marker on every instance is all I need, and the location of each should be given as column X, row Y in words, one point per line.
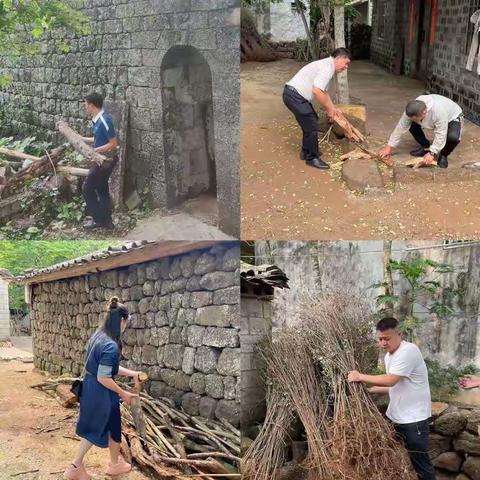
column 188, row 126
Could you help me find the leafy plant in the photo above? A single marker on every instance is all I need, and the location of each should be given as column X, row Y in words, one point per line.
column 418, row 274
column 28, row 145
column 25, row 23
column 444, row 380
column 72, row 212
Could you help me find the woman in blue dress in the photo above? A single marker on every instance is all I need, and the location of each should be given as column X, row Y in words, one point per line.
column 99, row 422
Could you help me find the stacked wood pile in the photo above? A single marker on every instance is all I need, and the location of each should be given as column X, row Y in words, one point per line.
column 173, row 443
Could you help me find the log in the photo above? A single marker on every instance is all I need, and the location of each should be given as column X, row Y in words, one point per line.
column 20, row 155
column 74, row 171
column 36, row 169
column 78, row 144
column 66, row 397
column 136, row 408
column 350, row 131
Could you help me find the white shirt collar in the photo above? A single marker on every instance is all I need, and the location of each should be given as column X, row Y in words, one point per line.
column 97, row 116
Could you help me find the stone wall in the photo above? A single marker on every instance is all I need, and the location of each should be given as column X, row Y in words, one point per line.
column 455, row 443
column 446, row 73
column 4, row 311
column 449, row 76
column 256, row 321
column 124, row 59
column 184, row 328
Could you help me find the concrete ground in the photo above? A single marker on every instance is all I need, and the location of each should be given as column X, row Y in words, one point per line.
column 195, row 219
column 283, row 198
column 26, row 445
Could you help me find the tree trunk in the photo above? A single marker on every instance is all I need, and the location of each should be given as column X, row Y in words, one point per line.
column 311, row 42
column 387, row 275
column 343, row 95
column 36, row 169
column 77, row 142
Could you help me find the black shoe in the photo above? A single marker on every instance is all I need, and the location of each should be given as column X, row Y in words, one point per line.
column 442, row 161
column 318, row 163
column 302, row 155
column 419, row 152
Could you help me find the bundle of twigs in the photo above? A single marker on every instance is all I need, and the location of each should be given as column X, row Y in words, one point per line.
column 348, row 439
column 176, row 443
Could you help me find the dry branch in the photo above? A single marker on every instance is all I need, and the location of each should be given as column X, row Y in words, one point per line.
column 19, row 155
column 79, row 145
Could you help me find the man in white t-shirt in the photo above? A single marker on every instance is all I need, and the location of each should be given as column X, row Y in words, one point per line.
column 312, row 82
column 406, row 382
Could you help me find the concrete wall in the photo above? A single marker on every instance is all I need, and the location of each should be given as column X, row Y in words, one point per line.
column 4, row 311
column 122, row 58
column 184, row 328
column 256, row 318
column 355, row 266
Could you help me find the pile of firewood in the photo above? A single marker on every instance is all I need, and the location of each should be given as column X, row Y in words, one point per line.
column 12, row 183
column 162, row 439
column 355, row 136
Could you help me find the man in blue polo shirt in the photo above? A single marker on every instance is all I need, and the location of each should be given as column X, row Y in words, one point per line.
column 95, row 190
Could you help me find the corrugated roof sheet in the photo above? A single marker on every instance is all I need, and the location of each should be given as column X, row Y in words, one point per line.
column 264, row 276
column 98, row 255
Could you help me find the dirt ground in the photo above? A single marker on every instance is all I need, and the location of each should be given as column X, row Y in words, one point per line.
column 283, row 198
column 24, row 412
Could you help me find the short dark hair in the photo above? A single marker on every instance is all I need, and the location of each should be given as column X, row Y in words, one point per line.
column 414, row 108
column 95, row 99
column 387, row 323
column 342, row 52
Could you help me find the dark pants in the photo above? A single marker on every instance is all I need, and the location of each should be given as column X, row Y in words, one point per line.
column 97, row 194
column 453, row 136
column 307, row 118
column 415, row 437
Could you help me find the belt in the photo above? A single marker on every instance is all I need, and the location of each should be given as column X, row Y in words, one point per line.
column 428, row 420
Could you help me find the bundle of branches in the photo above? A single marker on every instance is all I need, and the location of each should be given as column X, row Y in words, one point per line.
column 268, row 452
column 347, row 436
column 174, row 443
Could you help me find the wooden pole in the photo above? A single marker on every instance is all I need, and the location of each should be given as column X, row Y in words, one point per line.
column 76, row 172
column 77, row 142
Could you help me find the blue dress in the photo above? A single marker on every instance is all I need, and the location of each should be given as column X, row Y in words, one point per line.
column 100, row 407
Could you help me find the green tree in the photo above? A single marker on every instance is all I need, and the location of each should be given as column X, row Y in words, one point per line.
column 424, row 289
column 16, row 256
column 24, row 25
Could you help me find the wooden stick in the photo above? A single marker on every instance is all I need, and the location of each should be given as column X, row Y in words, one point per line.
column 25, row 472
column 79, row 145
column 20, row 155
column 76, row 172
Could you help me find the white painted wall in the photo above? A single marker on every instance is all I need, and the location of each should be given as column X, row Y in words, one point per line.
column 284, row 24
column 4, row 311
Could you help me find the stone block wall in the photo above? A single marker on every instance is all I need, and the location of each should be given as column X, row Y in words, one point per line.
column 184, row 327
column 256, row 321
column 123, row 58
column 449, row 76
column 455, row 443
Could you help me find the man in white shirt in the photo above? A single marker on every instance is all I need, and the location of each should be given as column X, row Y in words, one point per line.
column 312, row 82
column 406, row 382
column 433, row 112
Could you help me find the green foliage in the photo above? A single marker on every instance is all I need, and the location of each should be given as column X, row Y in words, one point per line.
column 25, row 23
column 418, row 273
column 29, row 145
column 18, row 256
column 71, row 213
column 444, row 380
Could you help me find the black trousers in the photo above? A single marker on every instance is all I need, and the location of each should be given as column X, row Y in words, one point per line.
column 453, row 136
column 97, row 193
column 307, row 118
column 415, row 438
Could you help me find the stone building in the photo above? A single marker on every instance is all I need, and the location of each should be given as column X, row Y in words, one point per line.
column 183, row 298
column 170, row 70
column 430, row 40
column 258, row 286
column 5, row 278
